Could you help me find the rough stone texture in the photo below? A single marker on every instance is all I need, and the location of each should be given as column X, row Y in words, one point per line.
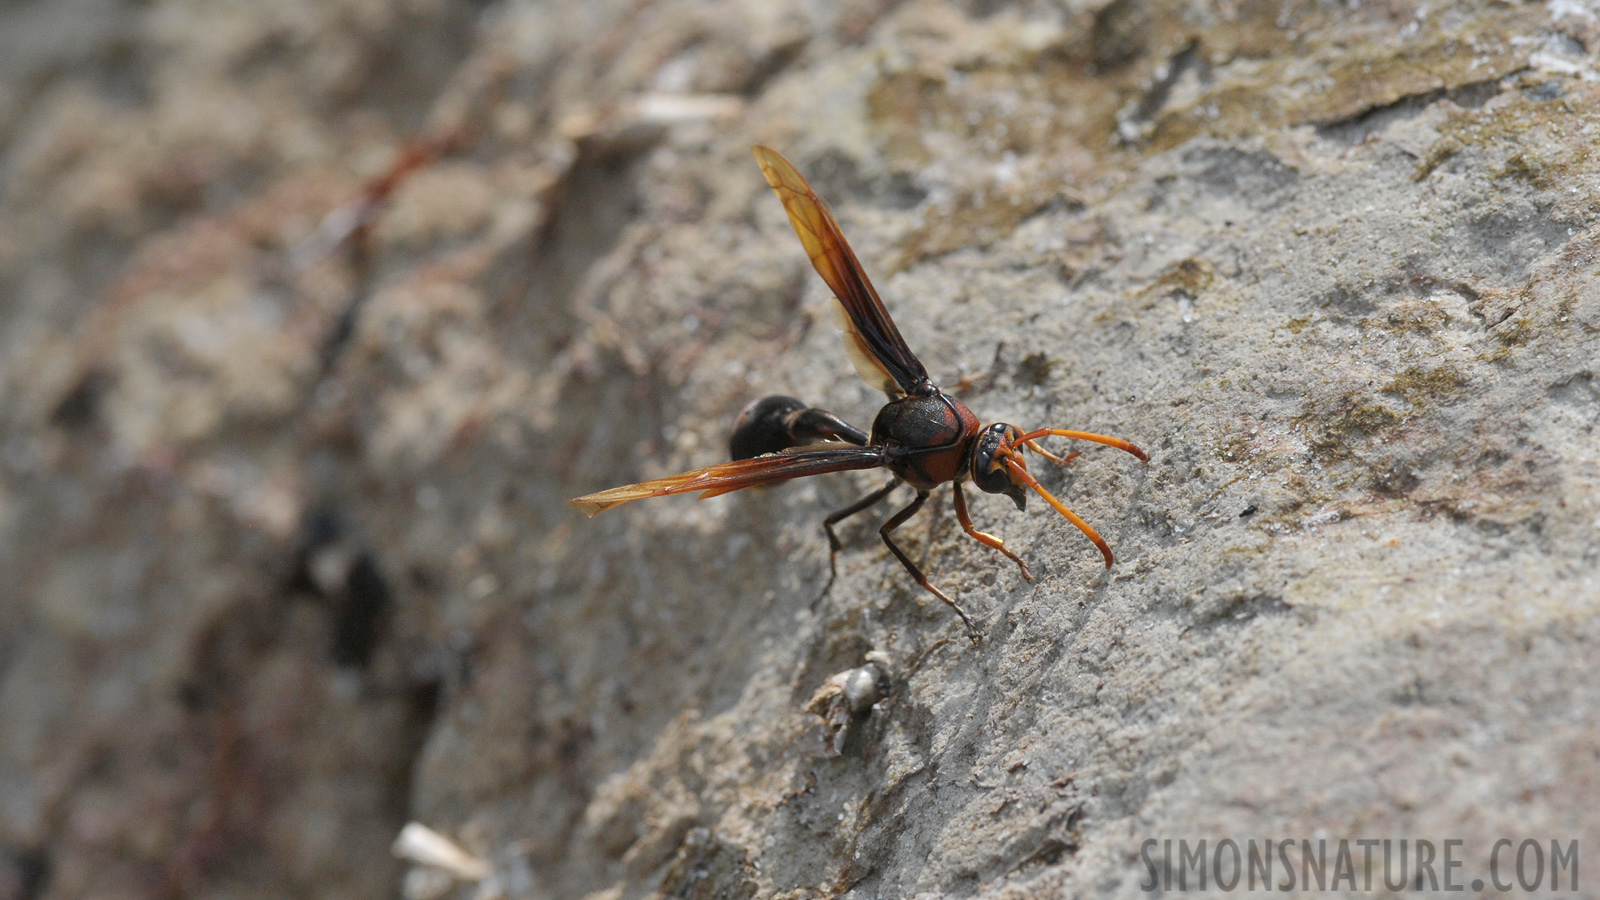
column 281, row 513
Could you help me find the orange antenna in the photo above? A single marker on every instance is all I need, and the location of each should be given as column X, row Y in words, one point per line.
column 1018, row 473
column 1118, row 443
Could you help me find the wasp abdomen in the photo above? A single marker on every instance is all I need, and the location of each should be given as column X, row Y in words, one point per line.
column 777, row 423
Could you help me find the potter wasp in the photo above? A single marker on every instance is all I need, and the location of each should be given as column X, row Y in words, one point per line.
column 923, row 436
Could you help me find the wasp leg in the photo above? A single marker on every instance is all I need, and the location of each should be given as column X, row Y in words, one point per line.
column 1058, row 460
column 983, row 537
column 834, row 546
column 896, row 521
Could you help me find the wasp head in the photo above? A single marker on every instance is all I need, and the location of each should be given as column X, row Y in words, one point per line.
column 995, row 446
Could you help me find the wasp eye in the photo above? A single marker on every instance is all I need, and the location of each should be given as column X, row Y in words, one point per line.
column 989, row 454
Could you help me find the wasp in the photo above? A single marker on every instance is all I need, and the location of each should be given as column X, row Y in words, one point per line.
column 923, row 436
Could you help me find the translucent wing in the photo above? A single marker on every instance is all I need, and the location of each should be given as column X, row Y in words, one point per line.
column 876, row 348
column 732, row 476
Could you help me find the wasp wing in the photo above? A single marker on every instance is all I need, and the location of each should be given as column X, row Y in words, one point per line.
column 742, row 473
column 876, row 348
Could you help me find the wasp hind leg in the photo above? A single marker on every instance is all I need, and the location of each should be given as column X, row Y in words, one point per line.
column 896, row 521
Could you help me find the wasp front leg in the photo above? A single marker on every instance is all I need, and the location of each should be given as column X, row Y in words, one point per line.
column 985, row 538
column 1058, row 460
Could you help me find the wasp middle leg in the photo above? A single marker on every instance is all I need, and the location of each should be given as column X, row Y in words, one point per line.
column 896, row 521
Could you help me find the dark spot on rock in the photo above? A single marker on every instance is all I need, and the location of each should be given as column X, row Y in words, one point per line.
column 1051, row 851
column 1120, row 31
column 835, row 175
column 1238, row 609
column 710, row 869
column 1549, row 90
column 77, row 410
column 1420, row 385
column 1034, row 370
column 1187, row 278
column 1231, row 171
column 1374, row 120
column 25, row 873
column 1334, row 426
column 331, row 565
column 1395, row 480
column 1347, row 300
column 358, row 616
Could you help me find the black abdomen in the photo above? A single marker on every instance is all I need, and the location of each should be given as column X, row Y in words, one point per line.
column 777, row 423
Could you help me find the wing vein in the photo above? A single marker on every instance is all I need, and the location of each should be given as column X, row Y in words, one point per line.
column 737, row 475
column 876, row 348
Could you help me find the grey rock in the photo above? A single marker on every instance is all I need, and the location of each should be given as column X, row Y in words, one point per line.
column 286, row 444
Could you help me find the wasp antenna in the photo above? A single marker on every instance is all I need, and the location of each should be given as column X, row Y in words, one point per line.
column 1118, row 443
column 1018, row 473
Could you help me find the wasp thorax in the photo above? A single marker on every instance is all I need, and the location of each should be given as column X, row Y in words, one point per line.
column 995, row 446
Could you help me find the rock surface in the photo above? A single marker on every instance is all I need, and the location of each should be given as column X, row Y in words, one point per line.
column 315, row 313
